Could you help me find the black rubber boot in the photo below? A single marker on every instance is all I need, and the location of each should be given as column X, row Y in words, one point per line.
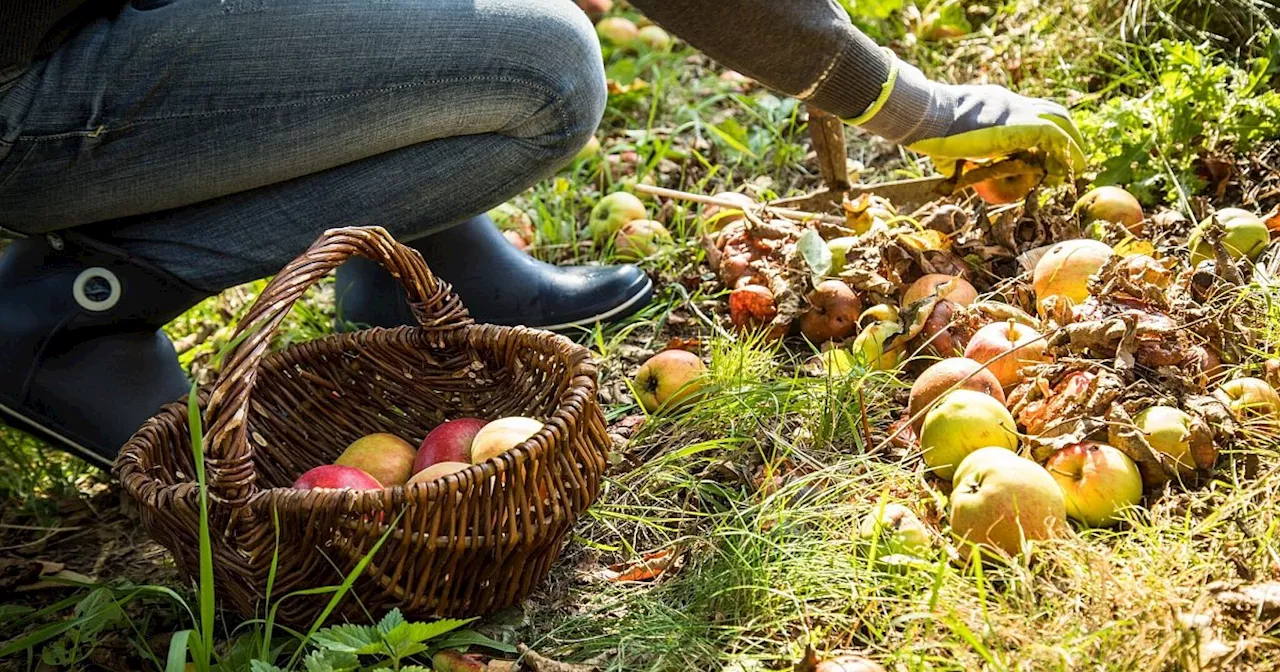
column 83, row 362
column 498, row 284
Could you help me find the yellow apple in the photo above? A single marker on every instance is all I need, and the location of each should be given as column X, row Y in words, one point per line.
column 1097, row 481
column 961, row 422
column 1002, row 502
column 385, row 457
column 669, row 378
column 502, row 435
column 1066, row 268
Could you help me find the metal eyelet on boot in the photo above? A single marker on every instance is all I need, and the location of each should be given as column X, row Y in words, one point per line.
column 96, row 289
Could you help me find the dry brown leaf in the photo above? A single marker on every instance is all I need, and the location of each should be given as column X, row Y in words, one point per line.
column 535, row 662
column 649, row 566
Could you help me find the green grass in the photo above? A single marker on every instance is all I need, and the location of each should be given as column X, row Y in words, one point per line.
column 759, row 487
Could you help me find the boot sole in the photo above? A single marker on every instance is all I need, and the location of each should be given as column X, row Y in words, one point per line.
column 23, row 422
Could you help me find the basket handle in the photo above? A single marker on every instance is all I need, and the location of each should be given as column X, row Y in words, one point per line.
column 228, row 454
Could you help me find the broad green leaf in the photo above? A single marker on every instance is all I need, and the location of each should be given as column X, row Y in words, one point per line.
column 331, row 661
column 348, row 638
column 407, row 639
column 391, row 621
column 815, row 252
column 734, row 135
column 259, row 666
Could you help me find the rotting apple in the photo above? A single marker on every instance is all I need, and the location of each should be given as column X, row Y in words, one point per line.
column 1142, row 268
column 1245, row 235
column 515, row 224
column 1169, row 431
column 752, row 307
column 449, row 660
column 502, row 435
column 1004, row 502
column 611, row 213
column 942, row 334
column 336, row 477
column 954, row 373
column 1097, row 481
column 1065, row 269
column 1005, row 348
column 959, row 290
column 874, row 346
column 438, row 470
column 617, row 30
column 960, row 422
column 833, row 312
column 1250, row 398
column 449, row 441
column 669, row 379
column 1110, row 204
column 640, row 238
column 386, row 457
column 896, row 530
column 654, row 38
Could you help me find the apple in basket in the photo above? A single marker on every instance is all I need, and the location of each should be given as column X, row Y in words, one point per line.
column 336, row 477
column 383, row 456
column 448, row 442
column 502, row 435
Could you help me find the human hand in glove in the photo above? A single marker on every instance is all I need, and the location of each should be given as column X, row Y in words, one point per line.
column 949, row 123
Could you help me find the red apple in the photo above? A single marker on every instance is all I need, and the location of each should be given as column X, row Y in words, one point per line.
column 336, row 476
column 955, row 373
column 1007, row 189
column 960, row 290
column 595, row 8
column 833, row 312
column 385, row 457
column 448, row 442
column 1005, row 348
column 752, row 307
column 669, row 378
column 1097, row 481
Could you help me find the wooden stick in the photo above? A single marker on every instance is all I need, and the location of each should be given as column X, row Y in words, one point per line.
column 724, row 203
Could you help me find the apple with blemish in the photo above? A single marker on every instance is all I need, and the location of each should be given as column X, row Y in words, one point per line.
column 1110, row 204
column 833, row 312
column 959, row 289
column 640, row 238
column 1169, row 431
column 954, row 373
column 1003, row 502
column 448, row 442
column 1251, row 398
column 1097, row 481
column 1065, row 269
column 386, row 457
column 1006, row 348
column 960, row 422
column 1245, row 236
column 896, row 530
column 669, row 379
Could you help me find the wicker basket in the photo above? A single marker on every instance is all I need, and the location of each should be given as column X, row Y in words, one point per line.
column 467, row 544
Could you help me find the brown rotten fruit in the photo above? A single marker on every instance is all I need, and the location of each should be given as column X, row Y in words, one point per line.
column 941, row 334
column 752, row 307
column 948, row 286
column 833, row 312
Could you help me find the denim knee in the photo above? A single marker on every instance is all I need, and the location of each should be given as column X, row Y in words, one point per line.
column 570, row 66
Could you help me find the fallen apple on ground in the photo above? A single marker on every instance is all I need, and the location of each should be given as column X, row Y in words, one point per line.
column 1168, row 430
column 336, row 477
column 1066, row 268
column 839, row 248
column 611, row 213
column 1245, row 235
column 896, row 530
column 959, row 290
column 386, row 457
column 1008, row 188
column 942, row 334
column 592, row 148
column 833, row 312
column 515, row 225
column 502, row 435
column 669, row 379
column 752, row 307
column 1097, row 481
column 595, row 8
column 1251, row 398
column 954, row 373
column 1005, row 348
column 438, row 470
column 655, row 38
column 640, row 238
column 448, row 442
column 873, row 346
column 716, row 217
column 617, row 30
column 1110, row 204
column 1002, row 501
column 960, row 422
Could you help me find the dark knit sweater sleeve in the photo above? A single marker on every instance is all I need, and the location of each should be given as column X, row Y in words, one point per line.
column 804, row 48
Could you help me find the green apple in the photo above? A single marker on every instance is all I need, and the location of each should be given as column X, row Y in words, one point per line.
column 640, row 238
column 1002, row 502
column 613, row 212
column 1097, row 481
column 1251, row 398
column 1244, row 235
column 896, row 530
column 1110, row 204
column 655, row 38
column 872, row 346
column 1168, row 430
column 960, row 422
column 669, row 378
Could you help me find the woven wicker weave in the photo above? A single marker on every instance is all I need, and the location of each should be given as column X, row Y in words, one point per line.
column 467, row 544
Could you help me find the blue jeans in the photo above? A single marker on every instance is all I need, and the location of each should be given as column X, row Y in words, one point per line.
column 217, row 138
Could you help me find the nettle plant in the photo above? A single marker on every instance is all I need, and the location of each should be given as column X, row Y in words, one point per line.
column 1196, row 106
